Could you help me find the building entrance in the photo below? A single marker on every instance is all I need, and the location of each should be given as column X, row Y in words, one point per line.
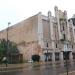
column 73, row 55
column 48, row 56
column 66, row 55
column 56, row 56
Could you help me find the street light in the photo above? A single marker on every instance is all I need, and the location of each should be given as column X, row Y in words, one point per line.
column 66, row 53
column 66, row 57
column 7, row 43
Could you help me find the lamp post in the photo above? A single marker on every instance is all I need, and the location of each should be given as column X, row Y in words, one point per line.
column 66, row 57
column 66, row 53
column 7, row 44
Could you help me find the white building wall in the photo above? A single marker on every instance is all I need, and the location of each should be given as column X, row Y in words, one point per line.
column 68, row 32
column 58, row 23
column 51, row 30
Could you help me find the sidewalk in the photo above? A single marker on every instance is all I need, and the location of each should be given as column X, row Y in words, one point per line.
column 20, row 66
column 13, row 66
column 24, row 65
column 70, row 73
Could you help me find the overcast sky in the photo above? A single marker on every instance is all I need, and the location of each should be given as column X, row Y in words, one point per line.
column 16, row 10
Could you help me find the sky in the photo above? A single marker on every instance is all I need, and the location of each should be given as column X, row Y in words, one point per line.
column 14, row 11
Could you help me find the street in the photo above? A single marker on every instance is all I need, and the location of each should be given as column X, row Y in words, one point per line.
column 46, row 69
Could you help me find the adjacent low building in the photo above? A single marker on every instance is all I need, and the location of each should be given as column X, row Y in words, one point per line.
column 48, row 36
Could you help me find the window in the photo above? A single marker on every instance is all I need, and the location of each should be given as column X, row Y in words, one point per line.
column 64, row 36
column 63, row 28
column 47, row 45
column 66, row 24
column 56, row 45
column 72, row 46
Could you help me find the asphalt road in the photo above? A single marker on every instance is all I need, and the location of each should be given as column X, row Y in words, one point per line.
column 47, row 69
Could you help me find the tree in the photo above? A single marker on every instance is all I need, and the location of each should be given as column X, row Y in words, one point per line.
column 3, row 47
column 12, row 48
column 35, row 58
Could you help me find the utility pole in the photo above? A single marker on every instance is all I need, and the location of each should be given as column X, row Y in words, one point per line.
column 7, row 44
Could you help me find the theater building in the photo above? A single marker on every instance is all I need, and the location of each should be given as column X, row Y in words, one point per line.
column 48, row 36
